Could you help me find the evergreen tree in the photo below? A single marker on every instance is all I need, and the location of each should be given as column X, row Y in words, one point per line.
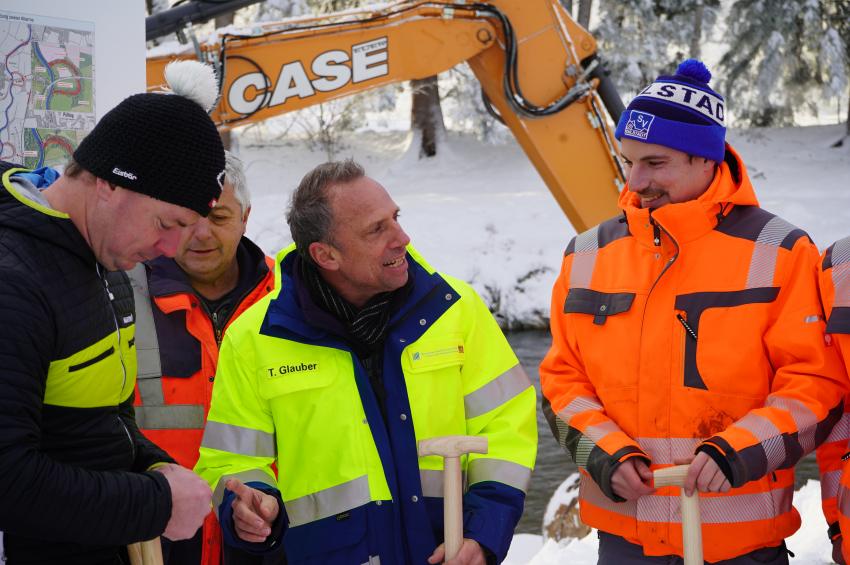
column 642, row 39
column 783, row 57
column 271, row 10
column 156, row 6
column 838, row 18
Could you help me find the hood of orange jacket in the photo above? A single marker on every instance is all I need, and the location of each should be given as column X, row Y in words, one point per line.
column 731, row 186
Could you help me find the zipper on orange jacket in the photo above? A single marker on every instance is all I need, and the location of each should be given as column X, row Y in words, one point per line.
column 688, row 328
column 657, row 229
column 216, row 329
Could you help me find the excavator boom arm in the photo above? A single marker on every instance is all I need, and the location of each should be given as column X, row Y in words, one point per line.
column 536, row 66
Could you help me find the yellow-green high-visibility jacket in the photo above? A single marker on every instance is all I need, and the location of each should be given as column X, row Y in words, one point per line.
column 353, row 487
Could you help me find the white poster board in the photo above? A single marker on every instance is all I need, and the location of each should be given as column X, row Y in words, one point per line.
column 64, row 65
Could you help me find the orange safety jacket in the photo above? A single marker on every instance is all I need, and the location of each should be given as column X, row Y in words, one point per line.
column 177, row 361
column 834, row 472
column 696, row 325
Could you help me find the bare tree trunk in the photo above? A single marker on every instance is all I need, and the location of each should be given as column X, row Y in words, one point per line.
column 223, row 21
column 149, row 6
column 696, row 38
column 427, row 115
column 840, row 142
column 584, row 7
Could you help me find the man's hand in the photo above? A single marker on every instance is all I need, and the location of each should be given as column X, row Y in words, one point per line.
column 837, row 556
column 470, row 554
column 704, row 475
column 632, row 479
column 190, row 501
column 254, row 511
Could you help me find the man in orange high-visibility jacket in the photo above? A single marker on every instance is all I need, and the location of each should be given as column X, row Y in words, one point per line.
column 834, row 471
column 184, row 305
column 689, row 328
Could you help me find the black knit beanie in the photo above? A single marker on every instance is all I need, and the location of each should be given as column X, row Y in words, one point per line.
column 162, row 144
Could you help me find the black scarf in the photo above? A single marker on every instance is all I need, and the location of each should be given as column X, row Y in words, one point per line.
column 367, row 326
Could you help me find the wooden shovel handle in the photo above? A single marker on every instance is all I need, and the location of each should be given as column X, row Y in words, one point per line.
column 451, row 448
column 691, row 522
column 145, row 552
column 670, row 476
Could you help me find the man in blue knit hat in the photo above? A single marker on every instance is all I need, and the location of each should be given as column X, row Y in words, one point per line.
column 689, row 330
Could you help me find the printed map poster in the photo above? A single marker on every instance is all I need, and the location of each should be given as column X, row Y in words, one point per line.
column 47, row 102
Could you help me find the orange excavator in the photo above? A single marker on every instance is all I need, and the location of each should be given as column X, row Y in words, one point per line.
column 538, row 69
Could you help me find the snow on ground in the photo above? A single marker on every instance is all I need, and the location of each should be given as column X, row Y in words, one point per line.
column 482, row 213
column 810, row 544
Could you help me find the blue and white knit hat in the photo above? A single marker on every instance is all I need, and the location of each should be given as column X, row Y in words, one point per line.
column 680, row 112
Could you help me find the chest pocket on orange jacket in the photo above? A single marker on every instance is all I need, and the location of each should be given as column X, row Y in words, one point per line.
column 600, row 305
column 694, row 305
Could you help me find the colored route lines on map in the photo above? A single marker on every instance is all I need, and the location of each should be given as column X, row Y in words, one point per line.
column 46, row 88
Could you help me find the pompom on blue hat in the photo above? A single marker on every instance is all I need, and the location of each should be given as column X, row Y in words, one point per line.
column 681, row 112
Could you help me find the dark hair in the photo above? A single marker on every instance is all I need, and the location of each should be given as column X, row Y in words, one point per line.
column 310, row 216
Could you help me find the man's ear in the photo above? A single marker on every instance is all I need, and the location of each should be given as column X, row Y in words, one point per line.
column 245, row 215
column 324, row 255
column 105, row 190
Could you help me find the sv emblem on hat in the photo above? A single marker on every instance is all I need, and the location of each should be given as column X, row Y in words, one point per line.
column 639, row 124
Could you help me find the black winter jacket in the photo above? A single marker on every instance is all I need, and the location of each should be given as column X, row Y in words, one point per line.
column 74, row 485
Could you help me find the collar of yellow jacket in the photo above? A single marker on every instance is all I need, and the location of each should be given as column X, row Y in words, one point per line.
column 686, row 221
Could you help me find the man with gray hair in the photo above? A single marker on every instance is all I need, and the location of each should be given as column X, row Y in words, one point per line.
column 184, row 305
column 333, row 379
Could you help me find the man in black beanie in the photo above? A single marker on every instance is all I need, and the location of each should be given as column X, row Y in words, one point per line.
column 79, row 481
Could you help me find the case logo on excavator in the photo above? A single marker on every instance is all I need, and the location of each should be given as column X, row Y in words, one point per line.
column 333, row 70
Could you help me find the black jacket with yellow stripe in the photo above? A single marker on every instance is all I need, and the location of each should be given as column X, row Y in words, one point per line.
column 73, row 480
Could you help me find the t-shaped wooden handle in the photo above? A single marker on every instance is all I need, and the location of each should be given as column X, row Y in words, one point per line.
column 450, row 448
column 691, row 522
column 145, row 552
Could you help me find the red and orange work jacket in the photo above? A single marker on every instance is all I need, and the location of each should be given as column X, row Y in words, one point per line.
column 177, row 362
column 834, row 471
column 694, row 324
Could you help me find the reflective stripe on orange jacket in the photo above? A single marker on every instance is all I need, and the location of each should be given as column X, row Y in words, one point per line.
column 697, row 325
column 173, row 396
column 835, row 473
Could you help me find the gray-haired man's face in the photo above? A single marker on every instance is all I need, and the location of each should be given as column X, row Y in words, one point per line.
column 368, row 254
column 208, row 249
